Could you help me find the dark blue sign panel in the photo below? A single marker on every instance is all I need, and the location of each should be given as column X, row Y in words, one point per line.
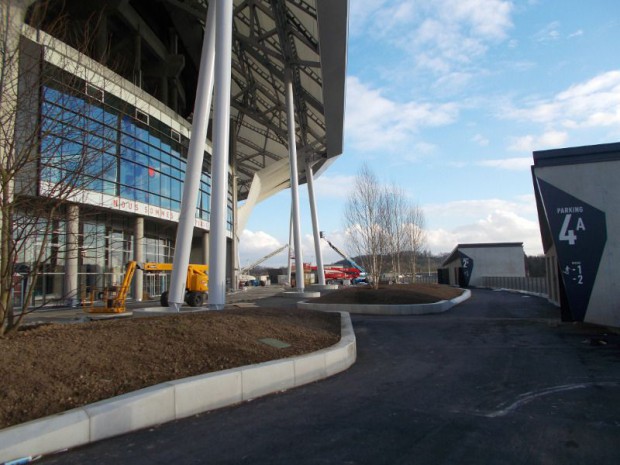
column 467, row 268
column 579, row 233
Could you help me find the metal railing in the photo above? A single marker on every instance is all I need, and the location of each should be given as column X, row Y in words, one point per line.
column 527, row 284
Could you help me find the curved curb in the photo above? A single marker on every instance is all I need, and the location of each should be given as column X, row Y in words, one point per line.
column 174, row 400
column 410, row 309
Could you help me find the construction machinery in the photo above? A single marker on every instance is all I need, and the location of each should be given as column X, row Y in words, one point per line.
column 114, row 298
column 356, row 273
column 247, row 268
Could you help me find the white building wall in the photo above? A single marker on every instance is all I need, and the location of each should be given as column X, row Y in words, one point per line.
column 496, row 261
column 597, row 185
column 489, row 260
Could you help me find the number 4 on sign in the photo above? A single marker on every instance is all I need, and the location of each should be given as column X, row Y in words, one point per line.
column 569, row 234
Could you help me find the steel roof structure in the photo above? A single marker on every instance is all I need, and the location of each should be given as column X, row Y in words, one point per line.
column 286, row 61
column 270, row 38
column 308, row 37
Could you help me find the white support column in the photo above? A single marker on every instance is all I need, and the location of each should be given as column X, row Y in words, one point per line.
column 292, row 154
column 219, row 174
column 205, row 248
column 234, row 252
column 138, row 256
column 72, row 256
column 320, row 271
column 191, row 185
column 290, row 248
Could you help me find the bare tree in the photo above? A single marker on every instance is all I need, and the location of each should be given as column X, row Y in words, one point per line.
column 396, row 210
column 50, row 157
column 382, row 225
column 415, row 237
column 365, row 221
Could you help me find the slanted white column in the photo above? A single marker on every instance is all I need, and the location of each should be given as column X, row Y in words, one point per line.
column 138, row 256
column 315, row 226
column 205, row 248
column 219, row 173
column 292, row 154
column 234, row 245
column 290, row 248
column 191, row 185
column 72, row 255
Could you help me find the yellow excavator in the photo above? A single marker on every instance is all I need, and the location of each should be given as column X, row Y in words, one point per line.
column 114, row 298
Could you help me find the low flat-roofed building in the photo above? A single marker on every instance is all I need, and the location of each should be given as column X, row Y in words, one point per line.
column 467, row 264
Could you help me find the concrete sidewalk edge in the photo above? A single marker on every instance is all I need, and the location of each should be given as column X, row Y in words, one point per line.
column 174, row 400
column 410, row 309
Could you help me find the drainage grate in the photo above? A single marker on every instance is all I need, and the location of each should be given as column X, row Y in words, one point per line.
column 274, row 343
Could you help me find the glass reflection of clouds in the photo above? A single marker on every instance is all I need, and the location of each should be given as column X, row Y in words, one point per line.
column 126, row 157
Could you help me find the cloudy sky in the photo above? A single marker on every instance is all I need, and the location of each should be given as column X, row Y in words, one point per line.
column 447, row 99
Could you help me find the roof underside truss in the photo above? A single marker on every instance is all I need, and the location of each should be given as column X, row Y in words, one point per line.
column 270, row 37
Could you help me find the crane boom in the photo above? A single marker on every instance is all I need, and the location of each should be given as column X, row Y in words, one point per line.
column 342, row 254
column 261, row 260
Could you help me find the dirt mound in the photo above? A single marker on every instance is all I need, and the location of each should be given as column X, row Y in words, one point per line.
column 394, row 294
column 53, row 368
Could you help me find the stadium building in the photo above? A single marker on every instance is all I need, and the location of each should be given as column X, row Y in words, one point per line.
column 109, row 97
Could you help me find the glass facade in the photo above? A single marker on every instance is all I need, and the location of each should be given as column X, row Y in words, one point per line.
column 92, row 139
column 111, row 147
column 51, row 237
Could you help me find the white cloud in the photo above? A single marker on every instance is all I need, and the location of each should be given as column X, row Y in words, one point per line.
column 593, row 103
column 548, row 33
column 254, row 245
column 453, row 82
column 375, row 122
column 498, row 227
column 529, row 143
column 363, row 12
column 486, row 18
column 480, row 140
column 333, row 186
column 464, row 221
column 511, row 164
column 489, row 220
column 577, row 33
column 439, row 34
column 463, row 211
column 456, row 31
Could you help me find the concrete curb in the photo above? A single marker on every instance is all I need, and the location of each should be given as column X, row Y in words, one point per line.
column 417, row 309
column 174, row 400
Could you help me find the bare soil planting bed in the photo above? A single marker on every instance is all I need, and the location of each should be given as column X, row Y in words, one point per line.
column 393, row 294
column 57, row 367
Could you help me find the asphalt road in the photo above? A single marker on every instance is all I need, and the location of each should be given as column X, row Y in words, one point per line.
column 496, row 380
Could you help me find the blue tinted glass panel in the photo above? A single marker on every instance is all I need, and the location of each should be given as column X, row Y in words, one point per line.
column 175, row 189
column 141, row 158
column 154, row 140
column 109, row 167
column 94, row 112
column 127, row 173
column 109, row 188
column 141, row 196
column 128, row 193
column 51, row 95
column 127, row 125
column 110, row 119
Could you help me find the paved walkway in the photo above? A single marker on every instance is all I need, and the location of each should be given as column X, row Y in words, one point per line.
column 496, row 380
column 260, row 295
